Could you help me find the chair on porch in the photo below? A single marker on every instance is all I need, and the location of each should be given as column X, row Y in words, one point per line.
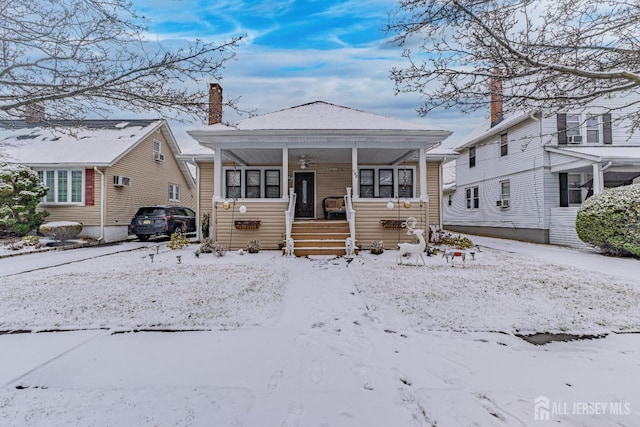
column 334, row 207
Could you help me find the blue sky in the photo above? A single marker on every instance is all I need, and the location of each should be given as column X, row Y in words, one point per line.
column 299, row 51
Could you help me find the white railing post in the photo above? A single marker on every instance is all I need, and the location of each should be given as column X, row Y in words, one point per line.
column 351, row 218
column 289, row 217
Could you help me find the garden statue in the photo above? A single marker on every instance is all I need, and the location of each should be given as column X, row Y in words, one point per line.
column 412, row 248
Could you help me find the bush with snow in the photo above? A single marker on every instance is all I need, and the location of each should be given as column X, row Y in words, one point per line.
column 20, row 193
column 61, row 230
column 611, row 221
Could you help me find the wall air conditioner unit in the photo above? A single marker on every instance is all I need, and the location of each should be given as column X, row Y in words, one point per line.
column 504, row 203
column 121, row 181
column 574, row 139
column 158, row 157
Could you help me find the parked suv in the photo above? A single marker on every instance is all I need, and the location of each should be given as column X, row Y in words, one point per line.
column 162, row 220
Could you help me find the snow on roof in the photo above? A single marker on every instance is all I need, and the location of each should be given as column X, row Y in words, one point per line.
column 600, row 153
column 323, row 115
column 99, row 142
column 486, row 131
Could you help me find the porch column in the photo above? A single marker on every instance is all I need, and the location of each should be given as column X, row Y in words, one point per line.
column 598, row 178
column 217, row 174
column 285, row 173
column 423, row 174
column 355, row 186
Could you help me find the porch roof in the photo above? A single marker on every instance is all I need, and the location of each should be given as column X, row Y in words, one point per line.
column 619, row 156
column 319, row 125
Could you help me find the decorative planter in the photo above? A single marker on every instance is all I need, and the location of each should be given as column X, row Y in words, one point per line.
column 247, row 225
column 377, row 251
column 392, row 223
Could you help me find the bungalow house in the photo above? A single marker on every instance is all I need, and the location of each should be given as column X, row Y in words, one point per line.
column 100, row 171
column 315, row 176
column 524, row 175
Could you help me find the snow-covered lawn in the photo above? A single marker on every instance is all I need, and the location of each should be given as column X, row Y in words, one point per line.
column 316, row 342
column 497, row 291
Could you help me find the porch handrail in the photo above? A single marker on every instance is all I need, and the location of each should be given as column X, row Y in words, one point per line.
column 351, row 215
column 290, row 214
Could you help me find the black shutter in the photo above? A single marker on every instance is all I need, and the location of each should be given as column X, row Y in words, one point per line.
column 564, row 190
column 607, row 135
column 562, row 129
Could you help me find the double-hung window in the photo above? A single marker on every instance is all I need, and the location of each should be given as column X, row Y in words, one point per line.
column 174, row 193
column 472, row 197
column 472, row 156
column 504, row 145
column 256, row 184
column 65, row 185
column 385, row 182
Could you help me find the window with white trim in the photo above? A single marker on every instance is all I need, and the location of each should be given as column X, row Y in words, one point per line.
column 174, row 193
column 66, row 186
column 472, row 156
column 252, row 183
column 385, row 182
column 157, row 147
column 505, row 193
column 593, row 128
column 504, row 145
column 472, row 197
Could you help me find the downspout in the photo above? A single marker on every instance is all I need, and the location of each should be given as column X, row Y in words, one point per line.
column 198, row 217
column 102, row 198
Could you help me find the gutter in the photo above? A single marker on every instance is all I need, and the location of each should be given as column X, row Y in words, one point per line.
column 102, row 197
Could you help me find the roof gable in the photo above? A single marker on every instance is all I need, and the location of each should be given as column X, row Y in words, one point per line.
column 324, row 115
column 94, row 143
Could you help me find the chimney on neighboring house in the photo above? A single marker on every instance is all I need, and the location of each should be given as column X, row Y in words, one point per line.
column 215, row 103
column 34, row 113
column 495, row 88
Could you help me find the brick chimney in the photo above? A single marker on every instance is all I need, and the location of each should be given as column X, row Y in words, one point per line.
column 215, row 103
column 495, row 88
column 34, row 113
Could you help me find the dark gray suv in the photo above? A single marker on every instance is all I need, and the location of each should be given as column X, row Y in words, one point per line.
column 162, row 220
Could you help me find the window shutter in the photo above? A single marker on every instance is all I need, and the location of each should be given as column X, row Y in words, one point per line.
column 89, row 187
column 562, row 129
column 607, row 134
column 564, row 190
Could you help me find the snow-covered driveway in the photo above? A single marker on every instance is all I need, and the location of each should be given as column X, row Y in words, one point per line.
column 315, row 342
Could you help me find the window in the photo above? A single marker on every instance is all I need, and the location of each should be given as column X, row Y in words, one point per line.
column 593, row 128
column 573, row 128
column 272, row 184
column 252, row 189
column 367, row 183
column 234, row 184
column 472, row 156
column 174, row 193
column 156, row 147
column 472, row 196
column 575, row 189
column 405, row 183
column 505, row 189
column 387, row 183
column 504, row 145
column 258, row 183
column 65, row 185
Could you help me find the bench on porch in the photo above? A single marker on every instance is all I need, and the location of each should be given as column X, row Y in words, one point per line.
column 334, row 207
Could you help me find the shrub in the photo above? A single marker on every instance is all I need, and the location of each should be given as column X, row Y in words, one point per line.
column 20, row 193
column 61, row 231
column 254, row 246
column 178, row 241
column 611, row 220
column 206, row 246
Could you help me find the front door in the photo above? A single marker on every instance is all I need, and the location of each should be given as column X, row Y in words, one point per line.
column 304, row 186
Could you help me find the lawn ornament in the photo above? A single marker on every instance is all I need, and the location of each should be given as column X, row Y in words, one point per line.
column 288, row 251
column 412, row 248
column 349, row 246
column 450, row 253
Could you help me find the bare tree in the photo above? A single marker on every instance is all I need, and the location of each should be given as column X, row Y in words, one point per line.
column 549, row 53
column 74, row 57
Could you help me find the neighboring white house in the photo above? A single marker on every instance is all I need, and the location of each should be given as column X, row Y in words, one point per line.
column 524, row 175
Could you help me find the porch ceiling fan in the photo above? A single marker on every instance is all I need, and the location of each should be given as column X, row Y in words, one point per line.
column 304, row 161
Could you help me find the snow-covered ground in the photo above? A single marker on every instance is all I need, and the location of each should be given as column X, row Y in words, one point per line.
column 275, row 341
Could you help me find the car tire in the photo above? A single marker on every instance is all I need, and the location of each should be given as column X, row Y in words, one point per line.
column 143, row 237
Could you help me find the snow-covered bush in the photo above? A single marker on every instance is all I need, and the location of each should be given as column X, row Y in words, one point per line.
column 20, row 193
column 61, row 230
column 611, row 220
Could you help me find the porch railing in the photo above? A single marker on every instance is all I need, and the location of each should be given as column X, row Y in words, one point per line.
column 289, row 217
column 351, row 219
